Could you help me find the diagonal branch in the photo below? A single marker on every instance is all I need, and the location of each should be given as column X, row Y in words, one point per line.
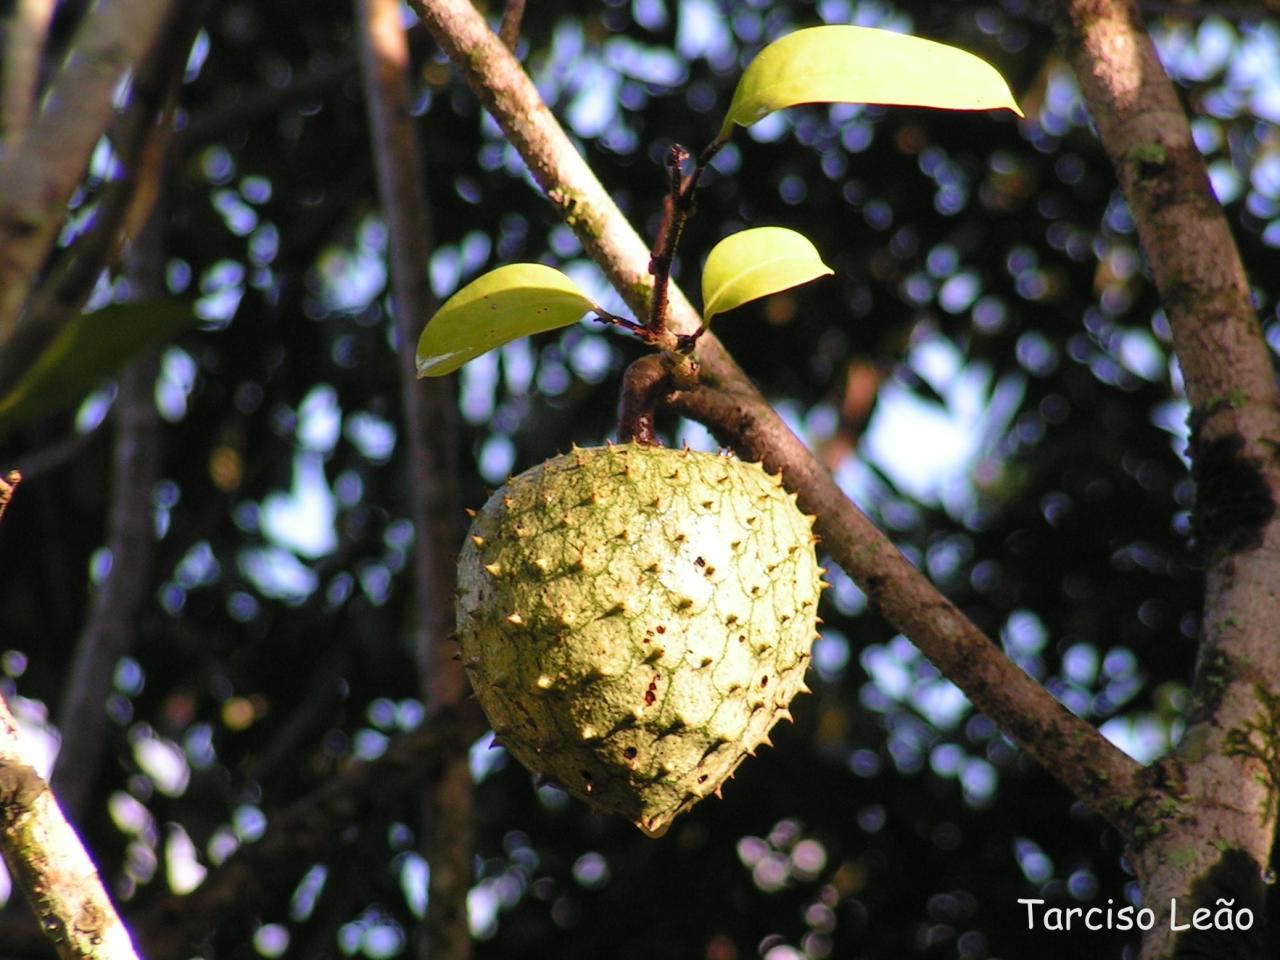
column 37, row 180
column 431, row 435
column 1065, row 745
column 50, row 864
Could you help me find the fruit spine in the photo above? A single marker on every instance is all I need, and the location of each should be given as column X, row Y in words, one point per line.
column 635, row 620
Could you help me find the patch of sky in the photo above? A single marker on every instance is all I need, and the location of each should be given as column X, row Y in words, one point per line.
column 1023, row 637
column 700, row 33
column 174, row 384
column 1062, row 107
column 1036, row 866
column 908, row 742
column 593, row 108
column 222, row 843
column 264, row 245
column 591, row 358
column 248, row 822
column 240, row 218
column 1254, row 71
column 1265, row 175
column 369, row 744
column 197, row 568
column 306, row 894
column 517, row 366
column 196, row 58
column 928, row 450
column 650, row 14
column 940, row 702
column 271, row 940
column 1225, row 180
column 887, row 670
column 221, row 287
column 831, row 654
column 589, row 277
column 847, row 595
column 445, row 271
column 217, row 164
column 103, row 163
column 1144, row 737
column 497, row 457
column 563, row 242
column 1140, row 354
column 478, row 382
column 695, row 436
column 373, row 934
column 319, row 420
column 162, row 760
column 128, row 677
column 979, row 780
column 182, row 870
column 415, row 880
column 94, row 408
column 130, row 815
column 197, row 743
column 302, row 520
column 350, row 278
column 277, row 573
column 38, row 739
column 770, row 129
column 648, row 64
column 373, row 436
column 177, row 274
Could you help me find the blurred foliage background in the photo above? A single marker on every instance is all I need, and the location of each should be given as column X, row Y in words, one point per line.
column 988, row 374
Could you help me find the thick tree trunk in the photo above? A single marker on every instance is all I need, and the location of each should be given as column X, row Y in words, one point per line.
column 1204, row 836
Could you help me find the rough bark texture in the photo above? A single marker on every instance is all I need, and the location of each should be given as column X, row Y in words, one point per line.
column 50, row 864
column 37, row 180
column 430, row 435
column 1210, row 815
column 1069, row 748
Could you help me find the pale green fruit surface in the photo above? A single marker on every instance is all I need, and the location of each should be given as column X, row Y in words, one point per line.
column 634, row 620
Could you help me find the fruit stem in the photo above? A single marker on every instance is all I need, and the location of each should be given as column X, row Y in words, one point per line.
column 677, row 207
column 643, row 385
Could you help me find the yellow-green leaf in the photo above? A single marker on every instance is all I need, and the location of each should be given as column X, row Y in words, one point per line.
column 844, row 64
column 88, row 349
column 503, row 305
column 754, row 263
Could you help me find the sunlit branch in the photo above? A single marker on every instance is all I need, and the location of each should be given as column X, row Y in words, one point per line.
column 47, row 859
column 37, row 180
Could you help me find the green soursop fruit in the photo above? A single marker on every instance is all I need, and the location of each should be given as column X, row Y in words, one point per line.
column 634, row 620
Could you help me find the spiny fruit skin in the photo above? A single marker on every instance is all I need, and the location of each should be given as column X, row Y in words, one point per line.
column 634, row 620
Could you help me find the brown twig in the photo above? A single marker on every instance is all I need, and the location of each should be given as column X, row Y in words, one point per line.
column 643, row 385
column 677, row 207
column 509, row 31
